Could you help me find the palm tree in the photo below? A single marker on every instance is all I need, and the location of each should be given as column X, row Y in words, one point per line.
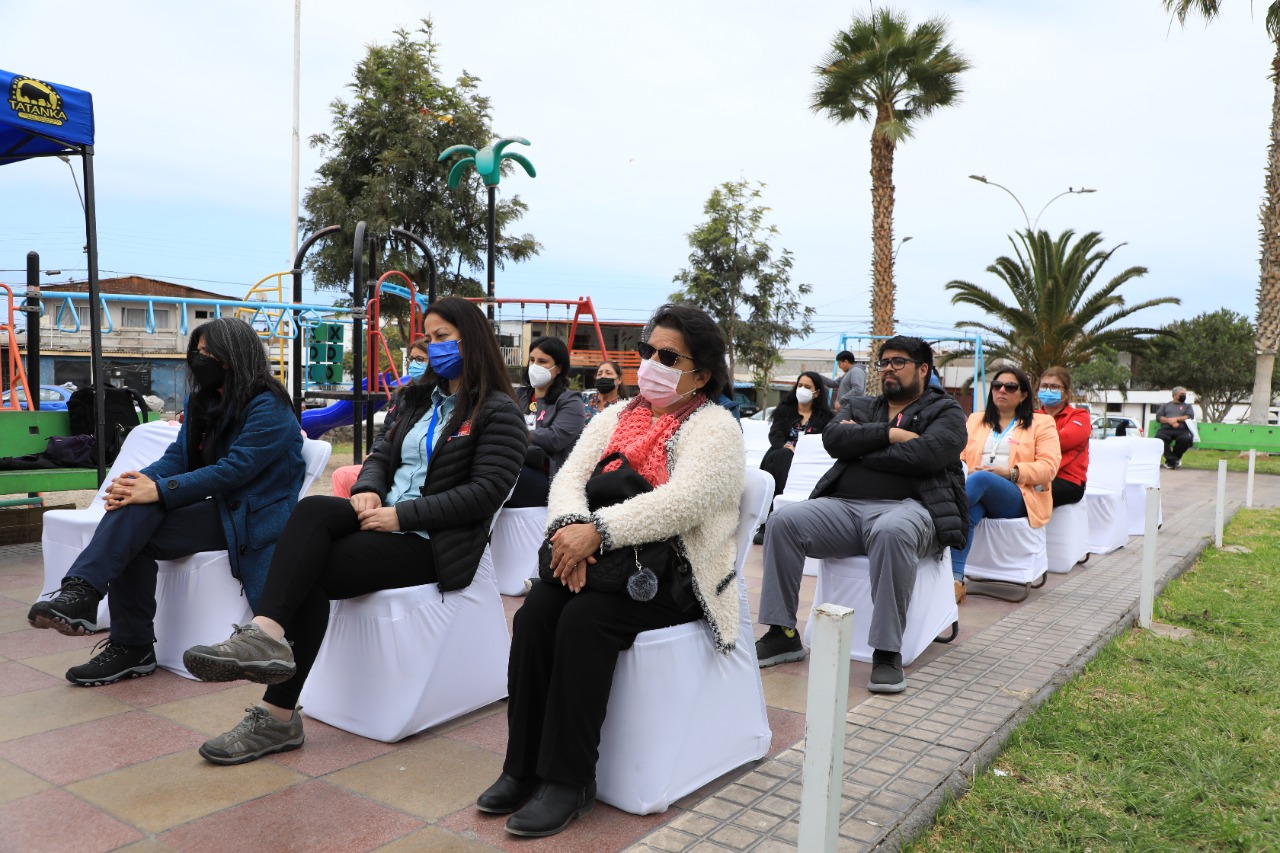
column 884, row 71
column 1053, row 318
column 1268, row 325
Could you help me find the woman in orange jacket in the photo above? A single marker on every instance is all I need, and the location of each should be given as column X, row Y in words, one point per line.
column 1012, row 456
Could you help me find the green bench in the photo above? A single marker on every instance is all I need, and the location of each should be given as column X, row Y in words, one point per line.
column 1240, row 437
column 22, row 433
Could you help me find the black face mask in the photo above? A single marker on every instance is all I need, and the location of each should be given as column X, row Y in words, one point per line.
column 1181, row 398
column 605, row 385
column 207, row 370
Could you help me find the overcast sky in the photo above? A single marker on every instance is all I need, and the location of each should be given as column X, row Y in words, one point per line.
column 636, row 111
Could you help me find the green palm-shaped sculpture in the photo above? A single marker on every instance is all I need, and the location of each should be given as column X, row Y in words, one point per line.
column 487, row 160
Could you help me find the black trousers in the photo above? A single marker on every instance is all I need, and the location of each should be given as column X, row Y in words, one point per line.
column 1066, row 492
column 121, row 559
column 323, row 555
column 1176, row 442
column 563, row 652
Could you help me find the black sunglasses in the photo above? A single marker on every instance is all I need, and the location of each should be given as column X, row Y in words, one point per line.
column 1007, row 386
column 668, row 357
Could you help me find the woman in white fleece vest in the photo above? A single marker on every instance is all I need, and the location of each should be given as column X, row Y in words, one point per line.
column 567, row 637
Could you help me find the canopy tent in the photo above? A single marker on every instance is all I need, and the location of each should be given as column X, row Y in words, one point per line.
column 42, row 119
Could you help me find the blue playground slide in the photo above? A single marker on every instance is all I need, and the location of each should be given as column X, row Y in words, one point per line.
column 316, row 422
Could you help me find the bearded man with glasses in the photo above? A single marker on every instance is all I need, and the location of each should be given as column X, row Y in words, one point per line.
column 895, row 494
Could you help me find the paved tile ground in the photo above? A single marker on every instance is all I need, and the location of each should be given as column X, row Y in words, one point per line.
column 116, row 768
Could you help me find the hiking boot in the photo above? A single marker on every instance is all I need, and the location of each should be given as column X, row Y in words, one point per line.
column 758, row 538
column 114, row 662
column 250, row 653
column 886, row 673
column 257, row 735
column 779, row 645
column 553, row 807
column 73, row 610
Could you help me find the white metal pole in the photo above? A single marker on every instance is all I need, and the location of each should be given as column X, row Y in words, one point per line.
column 1220, row 510
column 823, row 774
column 293, row 172
column 1148, row 592
column 1248, row 483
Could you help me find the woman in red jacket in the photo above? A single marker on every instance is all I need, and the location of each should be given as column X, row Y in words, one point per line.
column 1073, row 435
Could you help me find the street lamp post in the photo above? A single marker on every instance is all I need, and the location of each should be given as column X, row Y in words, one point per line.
column 1032, row 224
column 899, row 248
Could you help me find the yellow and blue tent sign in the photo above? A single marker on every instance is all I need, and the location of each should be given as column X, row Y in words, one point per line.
column 39, row 118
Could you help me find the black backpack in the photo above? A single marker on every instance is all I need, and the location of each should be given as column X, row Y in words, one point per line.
column 124, row 409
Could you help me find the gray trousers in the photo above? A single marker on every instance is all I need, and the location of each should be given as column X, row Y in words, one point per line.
column 893, row 534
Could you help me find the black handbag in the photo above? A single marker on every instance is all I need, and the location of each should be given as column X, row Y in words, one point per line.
column 635, row 569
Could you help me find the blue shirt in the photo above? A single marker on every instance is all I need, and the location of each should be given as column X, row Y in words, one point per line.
column 414, row 458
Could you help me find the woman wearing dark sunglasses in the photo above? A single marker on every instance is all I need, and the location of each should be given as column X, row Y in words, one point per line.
column 567, row 636
column 1012, row 455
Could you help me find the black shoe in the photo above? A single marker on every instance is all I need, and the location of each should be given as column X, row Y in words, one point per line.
column 114, row 662
column 553, row 807
column 506, row 795
column 72, row 611
column 886, row 673
column 759, row 537
column 780, row 645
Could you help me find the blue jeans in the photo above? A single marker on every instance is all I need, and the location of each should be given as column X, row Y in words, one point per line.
column 990, row 496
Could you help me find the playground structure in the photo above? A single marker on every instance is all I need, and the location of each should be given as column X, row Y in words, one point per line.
column 975, row 341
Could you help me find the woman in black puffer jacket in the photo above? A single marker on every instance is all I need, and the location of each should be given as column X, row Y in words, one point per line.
column 419, row 513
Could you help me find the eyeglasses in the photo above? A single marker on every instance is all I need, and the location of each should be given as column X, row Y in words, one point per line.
column 1005, row 386
column 668, row 357
column 418, row 359
column 1051, row 387
column 897, row 363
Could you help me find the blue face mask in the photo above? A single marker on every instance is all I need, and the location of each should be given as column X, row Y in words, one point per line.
column 1049, row 399
column 446, row 359
column 417, row 368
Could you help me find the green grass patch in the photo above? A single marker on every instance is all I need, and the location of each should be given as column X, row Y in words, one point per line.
column 1160, row 744
column 1208, row 460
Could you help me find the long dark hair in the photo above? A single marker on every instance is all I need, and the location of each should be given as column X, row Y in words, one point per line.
column 789, row 406
column 246, row 374
column 559, row 352
column 1022, row 414
column 482, row 368
column 702, row 336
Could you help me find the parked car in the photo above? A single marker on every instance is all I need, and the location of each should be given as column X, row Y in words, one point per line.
column 1105, row 427
column 53, row 398
column 746, row 406
column 763, row 414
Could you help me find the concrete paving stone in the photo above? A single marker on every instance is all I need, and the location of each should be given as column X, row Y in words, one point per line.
column 758, row 780
column 695, row 824
column 903, row 756
column 777, row 770
column 779, row 806
column 931, row 729
column 870, row 778
column 757, row 820
column 669, row 840
column 881, row 764
column 899, row 803
column 773, row 845
column 735, row 837
column 790, row 790
column 921, row 773
column 788, row 832
column 740, row 794
column 719, row 808
column 862, row 832
column 916, row 791
column 710, row 847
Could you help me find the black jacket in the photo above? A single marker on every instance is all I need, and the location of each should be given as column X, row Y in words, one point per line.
column 785, row 418
column 469, row 476
column 933, row 458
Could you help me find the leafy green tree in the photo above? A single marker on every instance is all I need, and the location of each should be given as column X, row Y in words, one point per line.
column 1101, row 374
column 1056, row 315
column 1212, row 356
column 735, row 277
column 381, row 167
column 1267, row 341
column 884, row 71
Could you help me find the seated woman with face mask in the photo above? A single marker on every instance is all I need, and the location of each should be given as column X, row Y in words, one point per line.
column 803, row 411
column 608, row 389
column 555, row 416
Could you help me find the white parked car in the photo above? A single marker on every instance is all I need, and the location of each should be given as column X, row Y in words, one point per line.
column 1111, row 422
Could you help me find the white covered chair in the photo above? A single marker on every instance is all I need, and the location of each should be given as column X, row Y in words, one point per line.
column 810, row 463
column 847, row 581
column 517, row 536
column 198, row 599
column 398, row 661
column 755, row 439
column 1009, row 551
column 1145, row 455
column 1067, row 537
column 67, row 531
column 1104, row 494
column 681, row 714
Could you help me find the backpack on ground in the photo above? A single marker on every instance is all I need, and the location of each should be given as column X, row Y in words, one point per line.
column 124, row 408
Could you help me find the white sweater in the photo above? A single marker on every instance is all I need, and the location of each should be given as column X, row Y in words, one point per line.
column 698, row 503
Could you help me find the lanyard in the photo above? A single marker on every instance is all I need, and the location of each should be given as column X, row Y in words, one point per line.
column 1000, row 436
column 429, row 442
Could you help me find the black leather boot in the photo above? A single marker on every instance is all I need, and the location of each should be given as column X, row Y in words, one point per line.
column 553, row 807
column 506, row 795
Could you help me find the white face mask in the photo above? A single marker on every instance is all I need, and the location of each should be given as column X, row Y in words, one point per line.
column 803, row 395
column 658, row 383
column 539, row 376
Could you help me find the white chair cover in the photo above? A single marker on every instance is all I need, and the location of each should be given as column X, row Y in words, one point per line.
column 68, row 531
column 847, row 582
column 1007, row 549
column 680, row 714
column 1104, row 496
column 198, row 599
column 1067, row 537
column 755, row 438
column 1145, row 456
column 399, row 661
column 810, row 463
column 517, row 536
